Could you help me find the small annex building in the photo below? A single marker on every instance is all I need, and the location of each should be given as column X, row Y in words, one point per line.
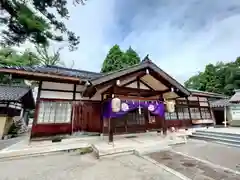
column 15, row 101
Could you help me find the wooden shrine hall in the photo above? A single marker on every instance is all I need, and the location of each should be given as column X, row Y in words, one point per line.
column 139, row 98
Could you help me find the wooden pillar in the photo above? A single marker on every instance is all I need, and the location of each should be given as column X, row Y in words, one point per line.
column 36, row 107
column 164, row 124
column 110, row 123
column 189, row 110
column 225, row 116
column 110, row 131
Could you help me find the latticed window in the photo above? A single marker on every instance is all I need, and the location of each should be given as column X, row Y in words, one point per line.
column 133, row 117
column 54, row 112
column 170, row 115
column 195, row 113
column 183, row 113
column 206, row 114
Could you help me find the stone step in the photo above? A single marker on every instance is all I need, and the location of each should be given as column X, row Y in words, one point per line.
column 140, row 149
column 215, row 132
column 225, row 136
column 218, row 139
column 147, row 150
column 228, row 144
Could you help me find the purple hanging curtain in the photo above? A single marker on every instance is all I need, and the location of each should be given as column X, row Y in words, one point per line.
column 155, row 107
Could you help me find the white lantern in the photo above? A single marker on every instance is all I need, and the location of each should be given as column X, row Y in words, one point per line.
column 118, row 82
column 170, row 106
column 116, row 105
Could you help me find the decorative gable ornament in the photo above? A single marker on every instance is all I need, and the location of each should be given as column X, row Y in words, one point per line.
column 116, row 104
column 170, row 106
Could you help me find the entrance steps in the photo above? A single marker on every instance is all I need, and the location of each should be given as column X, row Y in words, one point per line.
column 226, row 138
column 140, row 150
column 105, row 150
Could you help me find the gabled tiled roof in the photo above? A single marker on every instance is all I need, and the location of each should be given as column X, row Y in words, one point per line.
column 145, row 64
column 208, row 93
column 236, row 97
column 12, row 93
column 220, row 103
column 56, row 70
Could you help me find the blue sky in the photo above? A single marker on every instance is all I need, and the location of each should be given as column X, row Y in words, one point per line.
column 180, row 36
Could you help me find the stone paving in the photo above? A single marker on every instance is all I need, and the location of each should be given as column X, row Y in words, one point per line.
column 226, row 156
column 72, row 166
column 191, row 168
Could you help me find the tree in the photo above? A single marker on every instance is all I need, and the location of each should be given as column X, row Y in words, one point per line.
column 35, row 22
column 113, row 59
column 116, row 59
column 219, row 78
column 11, row 57
column 45, row 58
column 131, row 57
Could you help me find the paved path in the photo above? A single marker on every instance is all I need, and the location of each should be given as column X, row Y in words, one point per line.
column 191, row 168
column 222, row 155
column 216, row 154
column 8, row 142
column 72, row 166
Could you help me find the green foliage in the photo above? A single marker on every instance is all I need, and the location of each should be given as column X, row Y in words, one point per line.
column 11, row 57
column 34, row 21
column 116, row 59
column 219, row 78
column 14, row 128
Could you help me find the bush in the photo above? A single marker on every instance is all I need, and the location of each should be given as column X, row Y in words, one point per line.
column 13, row 130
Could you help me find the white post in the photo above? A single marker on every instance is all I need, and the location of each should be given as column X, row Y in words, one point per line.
column 225, row 116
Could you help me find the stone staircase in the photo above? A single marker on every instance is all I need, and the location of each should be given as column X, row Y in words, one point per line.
column 230, row 139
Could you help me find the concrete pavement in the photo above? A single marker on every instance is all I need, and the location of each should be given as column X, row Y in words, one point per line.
column 72, row 166
column 142, row 143
column 9, row 142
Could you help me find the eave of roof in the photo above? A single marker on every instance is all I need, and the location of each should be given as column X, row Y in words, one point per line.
column 146, row 63
column 205, row 93
column 220, row 103
column 50, row 72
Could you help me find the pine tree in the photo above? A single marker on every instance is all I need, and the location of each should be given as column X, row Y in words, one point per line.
column 113, row 60
column 116, row 59
column 132, row 57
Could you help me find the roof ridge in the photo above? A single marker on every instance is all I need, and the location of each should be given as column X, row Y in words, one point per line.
column 71, row 69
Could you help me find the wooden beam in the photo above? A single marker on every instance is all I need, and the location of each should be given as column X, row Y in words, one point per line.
column 133, row 91
column 113, row 82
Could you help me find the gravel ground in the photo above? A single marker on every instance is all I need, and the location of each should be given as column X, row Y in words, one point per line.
column 72, row 166
column 222, row 155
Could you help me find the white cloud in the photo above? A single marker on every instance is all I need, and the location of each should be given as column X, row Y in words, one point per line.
column 179, row 37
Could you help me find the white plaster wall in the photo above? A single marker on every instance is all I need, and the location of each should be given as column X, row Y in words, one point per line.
column 61, row 86
column 202, row 99
column 203, row 104
column 56, row 95
column 192, row 98
column 64, row 95
column 80, row 88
